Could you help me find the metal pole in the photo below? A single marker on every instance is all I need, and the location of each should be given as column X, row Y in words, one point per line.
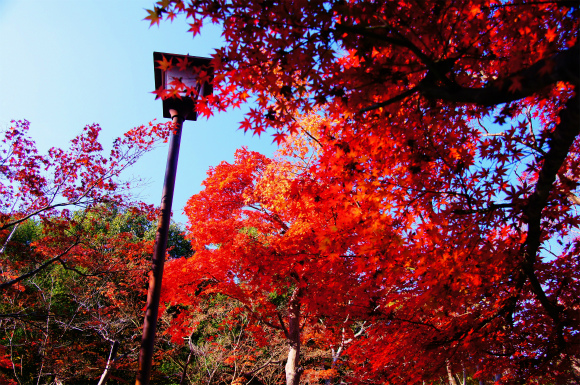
column 156, row 275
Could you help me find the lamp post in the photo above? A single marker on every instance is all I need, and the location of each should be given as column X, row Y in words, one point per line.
column 176, row 82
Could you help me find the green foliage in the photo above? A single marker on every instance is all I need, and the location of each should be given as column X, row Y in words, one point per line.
column 177, row 245
column 21, row 243
column 280, row 300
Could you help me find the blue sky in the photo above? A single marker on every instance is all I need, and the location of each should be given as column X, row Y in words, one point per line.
column 69, row 63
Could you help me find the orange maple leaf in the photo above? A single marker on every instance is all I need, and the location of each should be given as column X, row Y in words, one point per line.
column 174, row 93
column 551, row 35
column 154, row 15
column 474, row 12
column 164, row 64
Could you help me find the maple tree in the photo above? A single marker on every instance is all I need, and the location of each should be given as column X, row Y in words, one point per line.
column 73, row 257
column 255, row 245
column 363, row 57
column 72, row 324
column 447, row 163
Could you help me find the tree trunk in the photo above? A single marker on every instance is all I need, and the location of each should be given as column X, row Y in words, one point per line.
column 184, row 372
column 109, row 367
column 450, row 376
column 293, row 370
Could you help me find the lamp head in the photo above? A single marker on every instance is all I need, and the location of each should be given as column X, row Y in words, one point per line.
column 180, row 80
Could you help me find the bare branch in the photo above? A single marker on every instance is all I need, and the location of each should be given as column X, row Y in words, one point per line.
column 39, row 268
column 484, row 210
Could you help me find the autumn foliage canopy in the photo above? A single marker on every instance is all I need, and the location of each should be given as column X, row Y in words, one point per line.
column 424, row 208
column 419, row 223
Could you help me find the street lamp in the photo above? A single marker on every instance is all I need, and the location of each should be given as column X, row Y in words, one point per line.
column 179, row 81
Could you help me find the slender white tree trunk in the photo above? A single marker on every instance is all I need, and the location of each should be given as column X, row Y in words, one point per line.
column 109, row 367
column 8, row 239
column 450, row 376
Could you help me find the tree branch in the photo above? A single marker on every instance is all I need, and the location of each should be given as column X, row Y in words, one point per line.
column 565, row 66
column 110, row 363
column 563, row 138
column 282, row 326
column 483, row 210
column 53, row 206
column 39, row 268
column 392, row 100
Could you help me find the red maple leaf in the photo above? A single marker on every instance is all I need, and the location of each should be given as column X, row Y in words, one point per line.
column 183, row 63
column 195, row 27
column 516, row 84
column 258, row 130
column 246, row 125
column 279, row 137
column 171, row 15
column 161, row 92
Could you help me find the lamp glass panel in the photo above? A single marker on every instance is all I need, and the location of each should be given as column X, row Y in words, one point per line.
column 188, row 78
